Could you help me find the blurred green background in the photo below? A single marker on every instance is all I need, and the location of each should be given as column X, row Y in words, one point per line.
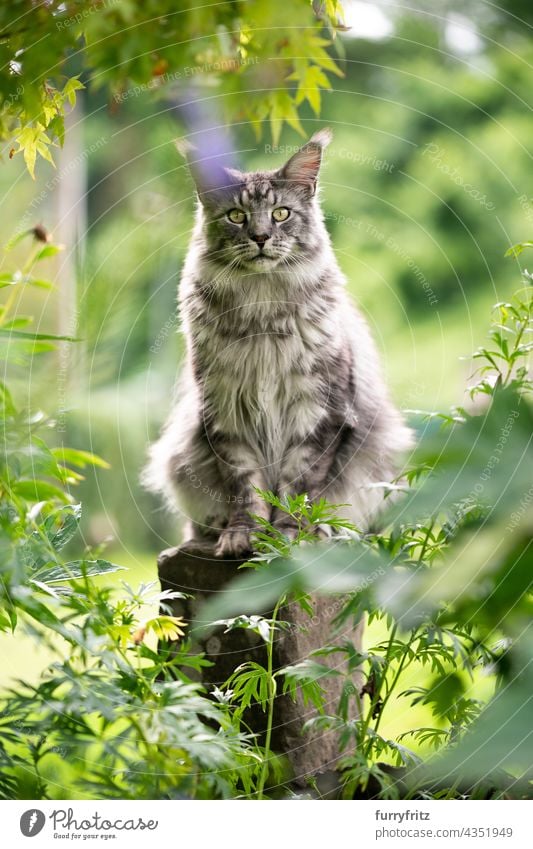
column 424, row 188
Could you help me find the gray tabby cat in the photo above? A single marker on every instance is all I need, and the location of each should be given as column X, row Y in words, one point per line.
column 282, row 387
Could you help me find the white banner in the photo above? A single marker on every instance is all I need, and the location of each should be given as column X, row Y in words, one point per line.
column 313, row 824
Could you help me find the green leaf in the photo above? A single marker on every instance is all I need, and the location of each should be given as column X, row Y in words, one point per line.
column 8, row 280
column 71, row 87
column 16, row 335
column 516, row 250
column 258, row 624
column 38, row 490
column 482, row 460
column 39, row 283
column 6, row 401
column 500, row 738
column 250, row 683
column 62, row 525
column 32, row 460
column 18, row 237
column 305, row 677
column 48, row 250
column 484, row 579
column 444, row 692
column 17, row 323
column 77, row 569
column 79, row 458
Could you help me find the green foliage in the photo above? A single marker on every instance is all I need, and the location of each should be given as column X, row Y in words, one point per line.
column 130, row 715
column 129, row 46
column 516, row 250
column 305, row 678
column 38, row 516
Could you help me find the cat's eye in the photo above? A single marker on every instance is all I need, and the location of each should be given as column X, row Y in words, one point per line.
column 281, row 213
column 236, row 216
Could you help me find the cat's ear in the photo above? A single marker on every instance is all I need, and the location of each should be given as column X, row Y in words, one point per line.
column 304, row 166
column 210, row 176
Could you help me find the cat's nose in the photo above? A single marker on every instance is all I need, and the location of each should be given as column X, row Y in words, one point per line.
column 260, row 238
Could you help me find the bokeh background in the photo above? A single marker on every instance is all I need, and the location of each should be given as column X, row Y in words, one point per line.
column 424, row 188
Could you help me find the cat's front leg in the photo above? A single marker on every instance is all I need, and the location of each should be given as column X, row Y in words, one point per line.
column 306, row 469
column 242, row 472
column 236, row 538
column 235, row 541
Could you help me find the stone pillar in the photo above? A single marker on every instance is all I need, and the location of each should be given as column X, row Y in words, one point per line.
column 192, row 568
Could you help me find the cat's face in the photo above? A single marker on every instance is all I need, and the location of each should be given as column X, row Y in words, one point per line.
column 261, row 221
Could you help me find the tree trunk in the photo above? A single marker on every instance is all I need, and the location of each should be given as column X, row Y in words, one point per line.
column 192, row 568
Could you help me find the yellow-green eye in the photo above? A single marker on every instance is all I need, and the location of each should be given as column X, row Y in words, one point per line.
column 281, row 213
column 236, row 216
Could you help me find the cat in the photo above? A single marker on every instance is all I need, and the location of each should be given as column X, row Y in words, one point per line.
column 282, row 387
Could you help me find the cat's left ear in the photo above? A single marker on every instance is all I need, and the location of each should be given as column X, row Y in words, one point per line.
column 304, row 166
column 210, row 176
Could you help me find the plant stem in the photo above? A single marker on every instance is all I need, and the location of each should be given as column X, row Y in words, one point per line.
column 271, row 699
column 375, row 698
column 401, row 665
column 517, row 342
column 394, row 681
column 8, row 304
column 15, row 290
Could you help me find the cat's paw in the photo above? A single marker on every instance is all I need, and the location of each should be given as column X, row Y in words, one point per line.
column 323, row 532
column 287, row 528
column 290, row 530
column 234, row 542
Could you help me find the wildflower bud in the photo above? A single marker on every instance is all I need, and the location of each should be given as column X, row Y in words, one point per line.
column 139, row 635
column 41, row 234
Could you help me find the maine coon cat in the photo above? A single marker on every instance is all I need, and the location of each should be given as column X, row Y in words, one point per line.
column 281, row 388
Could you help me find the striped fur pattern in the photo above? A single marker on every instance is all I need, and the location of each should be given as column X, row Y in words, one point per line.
column 281, row 388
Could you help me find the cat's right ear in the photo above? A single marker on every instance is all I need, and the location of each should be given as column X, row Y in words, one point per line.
column 209, row 175
column 302, row 168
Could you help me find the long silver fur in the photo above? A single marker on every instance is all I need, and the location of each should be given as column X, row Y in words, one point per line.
column 282, row 387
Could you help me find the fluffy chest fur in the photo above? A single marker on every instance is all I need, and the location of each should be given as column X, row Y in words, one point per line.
column 262, row 366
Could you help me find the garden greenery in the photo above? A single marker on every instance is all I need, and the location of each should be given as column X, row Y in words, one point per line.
column 116, row 716
column 156, row 46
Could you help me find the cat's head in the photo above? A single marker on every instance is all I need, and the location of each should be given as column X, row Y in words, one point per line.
column 261, row 220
